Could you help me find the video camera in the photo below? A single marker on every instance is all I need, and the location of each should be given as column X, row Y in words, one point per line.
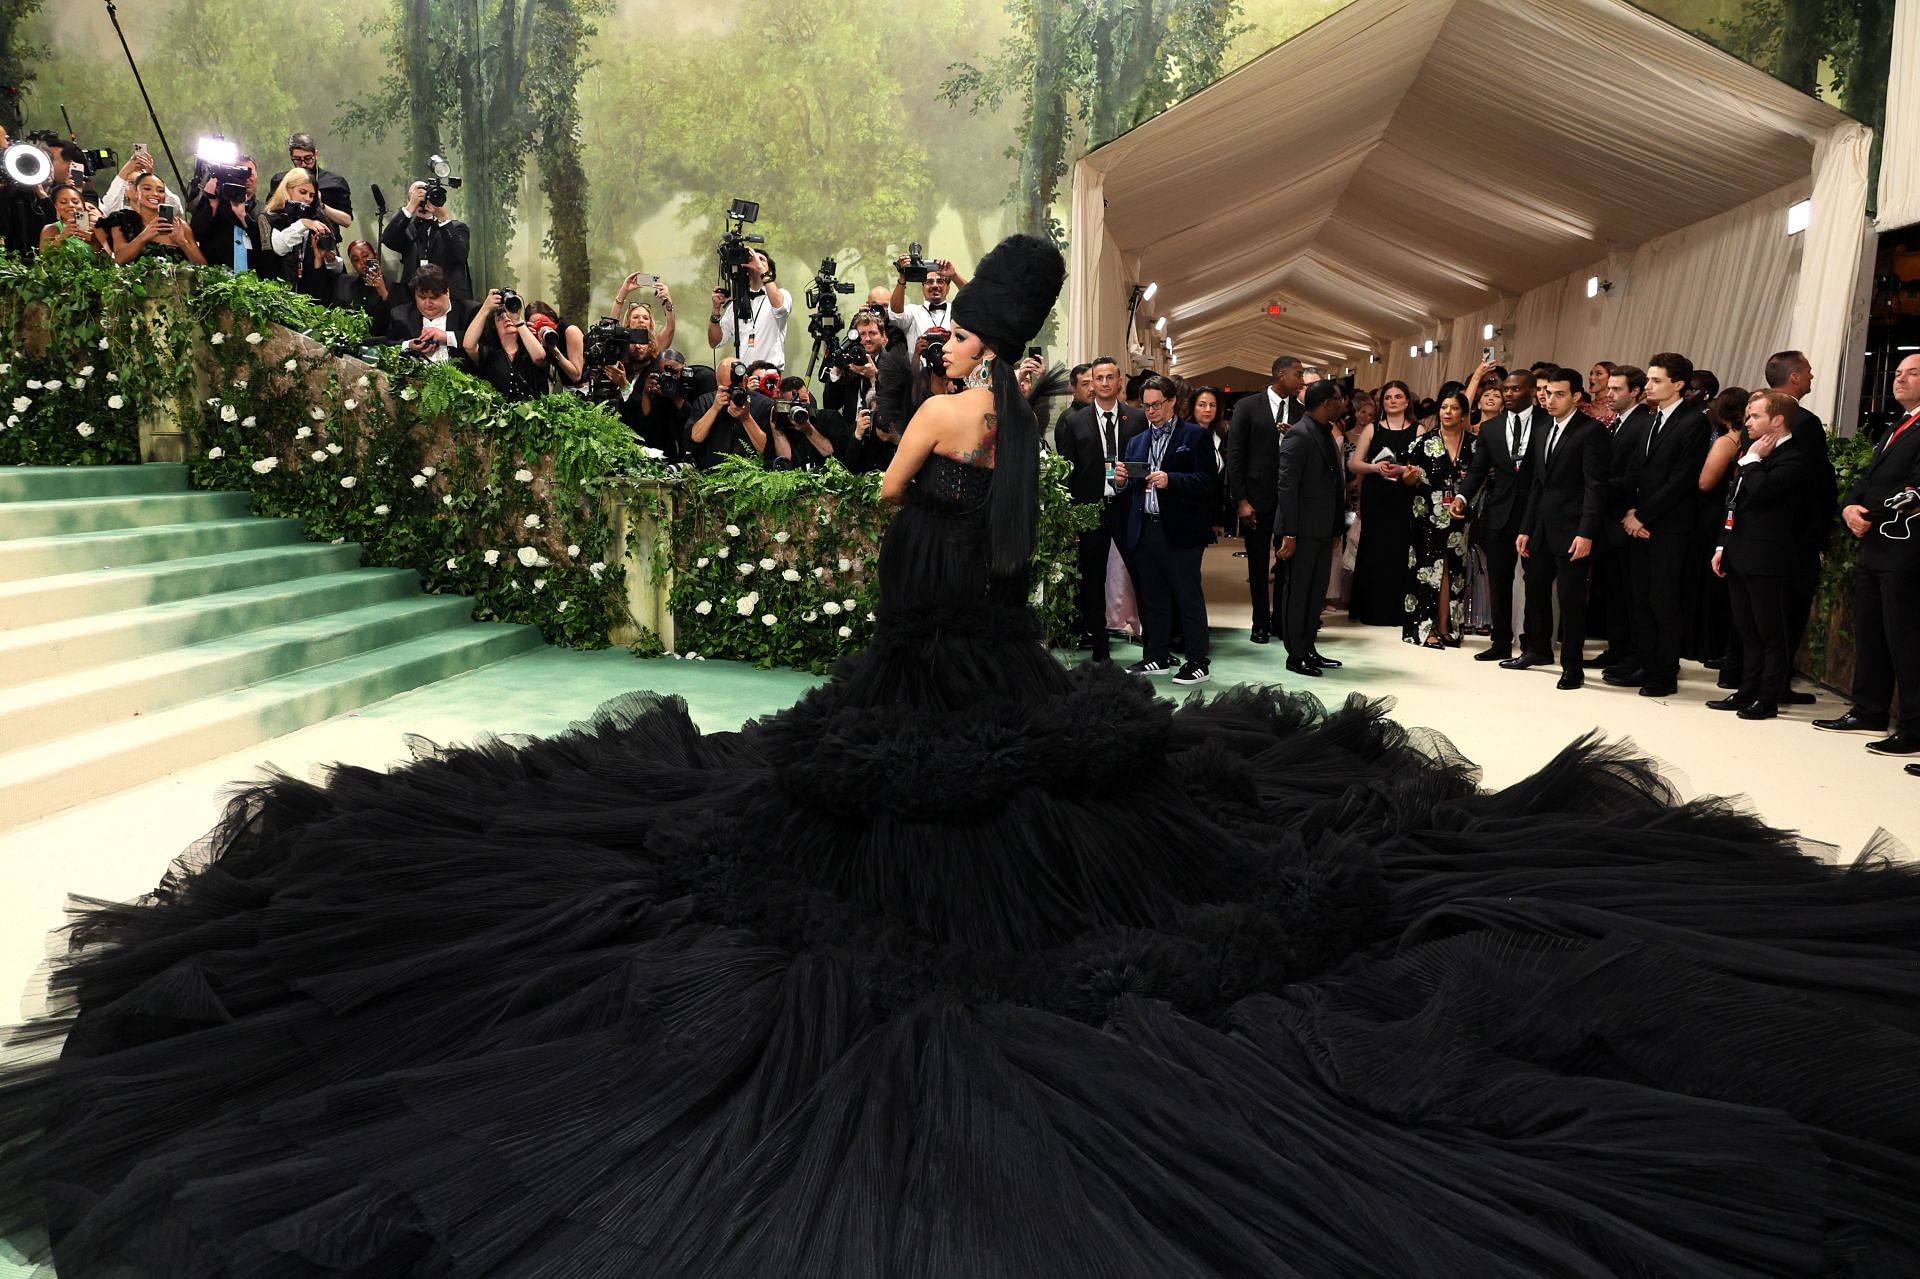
column 439, row 178
column 845, row 355
column 914, row 271
column 216, row 159
column 825, row 324
column 607, row 343
column 735, row 256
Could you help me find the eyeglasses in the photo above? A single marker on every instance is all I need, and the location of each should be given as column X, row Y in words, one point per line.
column 1154, row 404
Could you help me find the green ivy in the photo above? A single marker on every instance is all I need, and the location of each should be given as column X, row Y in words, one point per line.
column 1851, row 456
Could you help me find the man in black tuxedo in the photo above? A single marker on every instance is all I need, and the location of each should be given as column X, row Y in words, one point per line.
column 1760, row 553
column 1565, row 509
column 1167, row 479
column 1309, row 513
column 1791, row 372
column 1253, row 446
column 1666, row 501
column 1503, row 465
column 1886, row 586
column 431, row 323
column 1091, row 437
column 1627, row 439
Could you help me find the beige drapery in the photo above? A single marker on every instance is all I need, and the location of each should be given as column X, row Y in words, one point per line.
column 1373, row 179
column 1899, row 201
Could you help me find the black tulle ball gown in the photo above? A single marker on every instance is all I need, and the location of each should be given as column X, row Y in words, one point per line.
column 968, row 964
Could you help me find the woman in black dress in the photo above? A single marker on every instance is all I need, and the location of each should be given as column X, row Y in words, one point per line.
column 1436, row 603
column 968, row 964
column 1377, row 594
column 149, row 227
column 504, row 351
column 1206, row 412
column 1709, row 636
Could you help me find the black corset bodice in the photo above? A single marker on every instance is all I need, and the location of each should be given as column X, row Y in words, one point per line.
column 954, row 487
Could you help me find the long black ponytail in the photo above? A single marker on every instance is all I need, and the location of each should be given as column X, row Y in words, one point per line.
column 1013, row 504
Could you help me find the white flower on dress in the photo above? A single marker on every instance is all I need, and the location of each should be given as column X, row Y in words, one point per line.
column 847, row 604
column 363, row 383
column 112, row 376
column 103, row 344
column 821, row 571
column 652, row 454
column 12, row 421
column 528, row 557
column 116, row 403
column 85, row 429
column 265, row 464
column 809, row 615
column 539, row 584
column 704, row 607
column 79, row 384
column 532, row 521
column 87, row 372
column 214, row 455
column 493, row 557
column 747, row 603
column 35, row 384
column 348, row 481
column 229, row 414
column 562, row 606
column 744, row 568
column 523, row 475
column 447, row 500
column 791, row 575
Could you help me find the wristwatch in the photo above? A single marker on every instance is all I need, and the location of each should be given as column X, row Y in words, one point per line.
column 713, row 319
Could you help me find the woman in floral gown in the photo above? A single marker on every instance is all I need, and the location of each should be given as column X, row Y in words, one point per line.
column 1436, row 603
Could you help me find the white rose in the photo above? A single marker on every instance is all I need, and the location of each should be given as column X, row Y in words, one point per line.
column 334, row 449
column 724, row 551
column 791, row 575
column 247, row 421
column 781, row 536
column 767, row 563
column 744, row 568
column 214, row 455
column 702, row 562
column 79, row 384
column 846, row 632
column 820, row 571
column 85, row 429
column 527, row 556
column 112, row 376
column 562, row 606
column 747, row 603
column 407, row 393
column 847, row 604
column 304, row 433
column 363, row 383
column 255, row 339
column 523, row 475
column 351, row 405
column 217, row 339
column 869, row 617
column 383, row 509
column 34, row 384
column 493, row 557
column 573, row 551
column 229, row 414
column 291, row 366
column 768, row 619
column 103, row 344
column 830, row 608
column 55, row 384
column 348, row 481
column 265, row 464
column 21, row 403
column 809, row 616
column 447, row 500
column 843, row 565
column 704, row 607
column 454, row 562
column 240, row 385
column 87, row 372
column 733, row 530
column 317, row 413
column 532, row 521
column 419, row 481
column 116, row 402
column 319, row 455
column 539, row 583
column 428, row 471
column 14, row 420
column 652, row 454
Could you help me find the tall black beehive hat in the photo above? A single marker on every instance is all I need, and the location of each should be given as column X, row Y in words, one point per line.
column 1011, row 293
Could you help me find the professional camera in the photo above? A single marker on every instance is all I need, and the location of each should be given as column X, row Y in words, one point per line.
column 845, row 355
column 510, row 301
column 607, row 342
column 440, row 178
column 916, row 268
column 674, row 383
column 825, row 324
column 934, row 355
column 734, row 256
column 792, row 414
column 218, row 159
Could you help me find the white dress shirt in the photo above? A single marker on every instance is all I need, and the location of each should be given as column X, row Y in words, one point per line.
column 921, row 316
column 764, row 336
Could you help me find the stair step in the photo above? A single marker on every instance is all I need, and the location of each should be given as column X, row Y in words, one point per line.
column 51, row 483
column 31, row 557
column 110, row 590
column 98, row 514
column 62, row 648
column 49, row 709
column 43, row 779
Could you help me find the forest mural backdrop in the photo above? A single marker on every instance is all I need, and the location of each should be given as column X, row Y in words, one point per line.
column 598, row 137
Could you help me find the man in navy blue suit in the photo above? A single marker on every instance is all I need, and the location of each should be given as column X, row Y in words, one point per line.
column 1169, row 479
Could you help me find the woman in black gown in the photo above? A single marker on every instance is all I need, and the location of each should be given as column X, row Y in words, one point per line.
column 1378, row 592
column 971, row 965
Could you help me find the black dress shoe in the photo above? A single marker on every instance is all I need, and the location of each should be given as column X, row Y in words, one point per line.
column 1912, row 770
column 1526, row 662
column 1260, row 636
column 1794, row 697
column 1851, row 722
column 1666, row 689
column 1760, row 710
column 1570, row 679
column 1493, row 655
column 1712, row 663
column 1898, row 744
column 1327, row 662
column 1300, row 666
column 1600, row 663
column 1733, row 703
column 1624, row 677
column 1727, row 679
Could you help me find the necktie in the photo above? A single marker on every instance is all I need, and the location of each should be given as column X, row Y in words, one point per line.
column 1286, row 410
column 1513, row 436
column 1113, row 442
column 1553, row 442
column 1900, row 430
column 1155, row 454
column 1653, row 430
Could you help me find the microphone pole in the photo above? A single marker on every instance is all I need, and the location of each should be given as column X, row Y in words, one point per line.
column 113, row 16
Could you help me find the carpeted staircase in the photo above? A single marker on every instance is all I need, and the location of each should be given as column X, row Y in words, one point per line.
column 145, row 628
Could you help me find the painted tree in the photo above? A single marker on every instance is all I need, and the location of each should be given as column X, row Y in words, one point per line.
column 17, row 59
column 1105, row 67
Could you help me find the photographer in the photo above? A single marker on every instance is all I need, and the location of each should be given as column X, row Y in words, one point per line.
column 653, row 402
column 505, row 353
column 304, row 237
column 422, row 234
column 763, row 335
column 934, row 311
column 735, row 421
column 429, row 325
column 364, row 287
column 335, row 194
column 813, row 435
column 228, row 228
column 639, row 315
column 26, row 211
column 851, row 387
column 565, row 343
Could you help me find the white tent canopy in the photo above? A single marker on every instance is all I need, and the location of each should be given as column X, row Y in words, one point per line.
column 1414, row 169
